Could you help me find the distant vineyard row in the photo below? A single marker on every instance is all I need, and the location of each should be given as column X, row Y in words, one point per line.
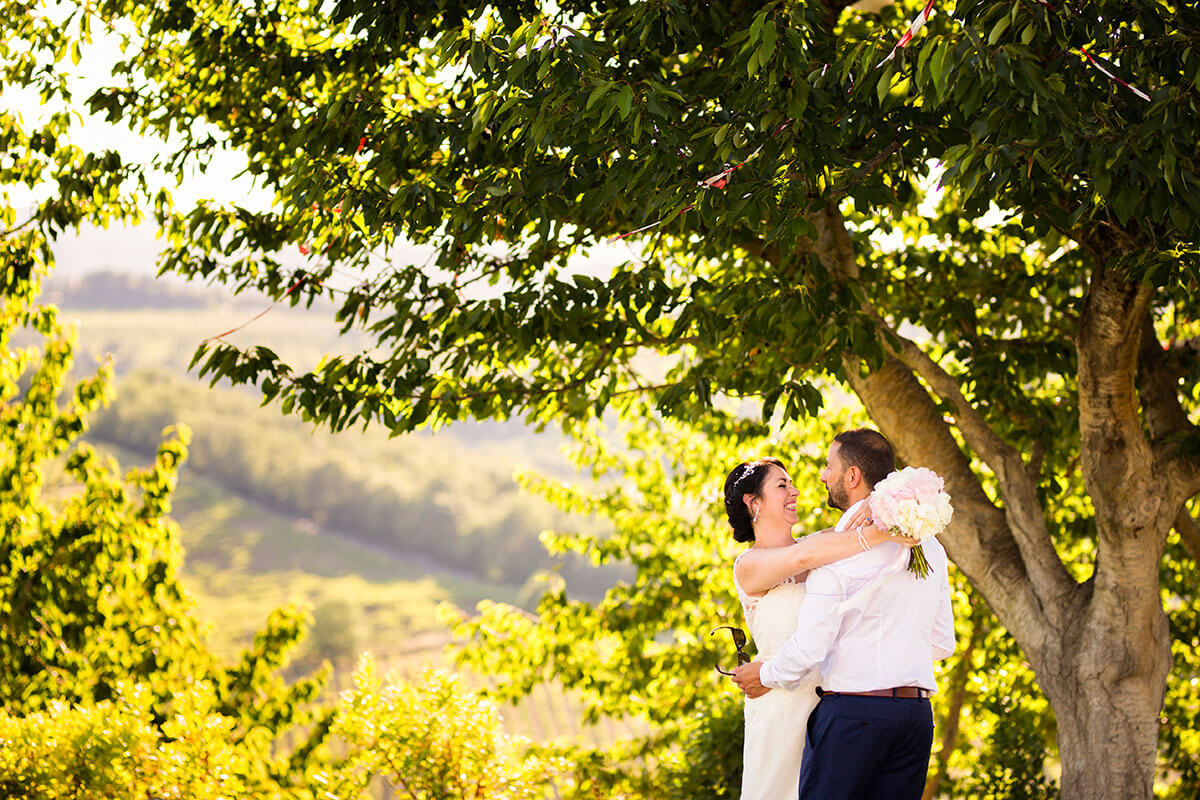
column 433, row 498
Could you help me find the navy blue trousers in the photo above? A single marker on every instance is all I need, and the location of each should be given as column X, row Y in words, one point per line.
column 866, row 748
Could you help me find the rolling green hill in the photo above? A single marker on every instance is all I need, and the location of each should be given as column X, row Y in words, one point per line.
column 367, row 532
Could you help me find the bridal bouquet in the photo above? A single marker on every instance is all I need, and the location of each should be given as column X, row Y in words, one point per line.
column 912, row 503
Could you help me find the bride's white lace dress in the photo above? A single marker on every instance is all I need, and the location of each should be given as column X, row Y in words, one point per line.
column 775, row 722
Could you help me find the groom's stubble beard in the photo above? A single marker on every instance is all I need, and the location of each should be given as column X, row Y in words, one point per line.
column 836, row 498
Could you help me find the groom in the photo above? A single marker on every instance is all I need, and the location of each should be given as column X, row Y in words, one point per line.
column 871, row 734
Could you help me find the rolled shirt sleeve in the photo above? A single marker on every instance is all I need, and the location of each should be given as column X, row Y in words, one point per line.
column 817, row 628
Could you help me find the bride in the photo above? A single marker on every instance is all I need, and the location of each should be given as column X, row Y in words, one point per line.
column 760, row 502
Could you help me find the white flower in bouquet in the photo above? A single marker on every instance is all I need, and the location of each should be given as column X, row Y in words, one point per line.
column 912, row 502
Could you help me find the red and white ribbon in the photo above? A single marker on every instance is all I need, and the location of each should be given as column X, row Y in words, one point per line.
column 914, row 26
column 719, row 180
column 1099, row 64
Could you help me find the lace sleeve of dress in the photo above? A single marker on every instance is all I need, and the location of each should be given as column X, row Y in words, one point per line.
column 748, row 602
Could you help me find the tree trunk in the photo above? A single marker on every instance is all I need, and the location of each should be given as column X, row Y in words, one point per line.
column 1101, row 655
column 1107, row 691
column 1118, row 653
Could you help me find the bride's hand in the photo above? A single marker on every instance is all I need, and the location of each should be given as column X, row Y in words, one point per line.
column 861, row 516
column 875, row 535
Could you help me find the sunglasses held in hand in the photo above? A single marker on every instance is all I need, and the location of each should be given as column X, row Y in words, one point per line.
column 739, row 641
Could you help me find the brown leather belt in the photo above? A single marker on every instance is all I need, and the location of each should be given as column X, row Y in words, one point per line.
column 909, row 692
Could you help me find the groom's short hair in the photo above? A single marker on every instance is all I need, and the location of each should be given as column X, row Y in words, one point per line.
column 868, row 450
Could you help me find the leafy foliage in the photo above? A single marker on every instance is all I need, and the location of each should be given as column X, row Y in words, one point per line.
column 510, row 136
column 1179, row 754
column 1005, row 745
column 91, row 606
column 1045, row 362
column 434, row 739
column 1016, row 768
column 122, row 750
column 88, row 594
column 710, row 764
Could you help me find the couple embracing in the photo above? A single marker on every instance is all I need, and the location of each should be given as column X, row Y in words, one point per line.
column 837, row 703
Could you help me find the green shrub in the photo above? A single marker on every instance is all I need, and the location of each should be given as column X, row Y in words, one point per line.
column 118, row 749
column 434, row 739
column 91, row 604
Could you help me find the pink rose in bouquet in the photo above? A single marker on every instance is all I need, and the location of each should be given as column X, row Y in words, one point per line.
column 912, row 502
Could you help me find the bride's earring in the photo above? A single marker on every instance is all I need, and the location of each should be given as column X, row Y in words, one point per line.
column 756, row 512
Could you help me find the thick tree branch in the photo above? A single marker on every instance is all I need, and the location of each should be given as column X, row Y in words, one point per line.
column 1166, row 419
column 1017, row 480
column 1134, row 500
column 1018, row 483
column 1189, row 532
column 979, row 538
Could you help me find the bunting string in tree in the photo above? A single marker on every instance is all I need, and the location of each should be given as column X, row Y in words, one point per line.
column 718, row 181
column 721, row 179
column 1099, row 64
column 292, row 288
column 917, row 23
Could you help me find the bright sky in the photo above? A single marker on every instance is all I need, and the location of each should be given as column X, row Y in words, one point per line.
column 119, row 248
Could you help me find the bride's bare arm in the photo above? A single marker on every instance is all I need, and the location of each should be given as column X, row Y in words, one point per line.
column 762, row 568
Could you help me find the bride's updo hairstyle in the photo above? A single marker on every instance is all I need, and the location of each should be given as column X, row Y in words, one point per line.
column 746, row 478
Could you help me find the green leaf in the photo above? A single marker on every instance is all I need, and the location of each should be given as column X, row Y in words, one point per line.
column 998, row 30
column 769, row 36
column 756, row 27
column 941, row 68
column 1124, row 203
column 596, row 93
column 885, row 81
column 625, row 100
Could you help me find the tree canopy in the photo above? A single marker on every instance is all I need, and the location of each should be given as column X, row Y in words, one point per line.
column 1027, row 331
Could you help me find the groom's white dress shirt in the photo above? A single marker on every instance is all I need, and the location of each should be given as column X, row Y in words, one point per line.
column 889, row 637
